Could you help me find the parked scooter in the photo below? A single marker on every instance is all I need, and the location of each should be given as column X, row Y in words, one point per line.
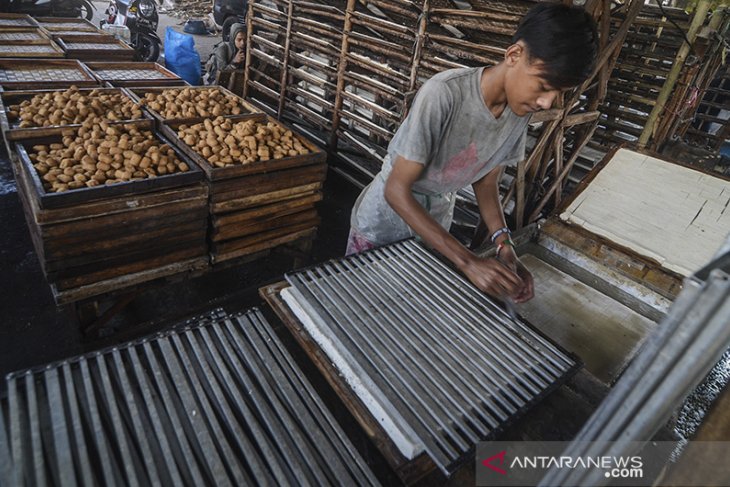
column 140, row 17
column 50, row 8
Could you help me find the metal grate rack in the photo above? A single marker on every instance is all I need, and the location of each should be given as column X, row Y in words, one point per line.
column 218, row 403
column 446, row 362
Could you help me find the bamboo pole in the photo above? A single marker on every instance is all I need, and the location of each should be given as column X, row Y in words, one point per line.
column 341, row 68
column 285, row 67
column 698, row 20
column 420, row 39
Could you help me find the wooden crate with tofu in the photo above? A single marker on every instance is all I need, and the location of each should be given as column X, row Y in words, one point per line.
column 264, row 180
column 105, row 223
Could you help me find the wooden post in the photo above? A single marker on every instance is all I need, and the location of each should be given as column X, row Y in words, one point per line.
column 249, row 34
column 285, row 61
column 697, row 21
column 341, row 68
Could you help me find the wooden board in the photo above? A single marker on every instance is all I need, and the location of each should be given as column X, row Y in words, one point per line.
column 133, row 74
column 260, row 213
column 95, row 48
column 218, row 248
column 253, row 227
column 127, row 281
column 21, row 74
column 138, row 95
column 266, row 198
column 10, row 128
column 76, row 196
column 231, row 189
column 264, row 244
column 217, row 173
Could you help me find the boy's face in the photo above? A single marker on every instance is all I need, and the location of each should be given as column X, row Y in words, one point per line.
column 240, row 40
column 525, row 85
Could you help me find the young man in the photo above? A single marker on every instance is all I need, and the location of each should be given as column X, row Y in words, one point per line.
column 465, row 125
column 227, row 55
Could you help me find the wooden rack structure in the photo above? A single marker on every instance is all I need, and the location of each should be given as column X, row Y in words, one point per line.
column 345, row 73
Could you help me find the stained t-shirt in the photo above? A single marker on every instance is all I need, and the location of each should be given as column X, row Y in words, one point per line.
column 457, row 138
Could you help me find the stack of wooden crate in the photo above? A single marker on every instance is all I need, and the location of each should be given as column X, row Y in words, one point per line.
column 257, row 205
column 99, row 237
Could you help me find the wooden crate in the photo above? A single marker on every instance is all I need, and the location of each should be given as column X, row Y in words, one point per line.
column 97, row 247
column 263, row 204
column 10, row 21
column 22, row 74
column 10, row 126
column 54, row 24
column 84, row 195
column 138, row 94
column 217, row 173
column 95, row 48
column 134, row 74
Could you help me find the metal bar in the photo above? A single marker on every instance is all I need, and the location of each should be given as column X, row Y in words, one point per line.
column 434, row 347
column 187, row 461
column 183, row 363
column 134, row 415
column 102, row 447
column 6, row 461
column 152, row 410
column 449, row 323
column 262, row 441
column 36, row 441
column 128, row 462
column 82, row 452
column 558, row 358
column 17, row 438
column 289, row 407
column 440, row 450
column 480, row 337
column 396, row 350
column 331, row 430
column 67, row 476
column 267, row 411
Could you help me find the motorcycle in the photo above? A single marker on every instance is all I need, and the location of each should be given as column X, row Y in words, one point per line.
column 50, row 8
column 140, row 17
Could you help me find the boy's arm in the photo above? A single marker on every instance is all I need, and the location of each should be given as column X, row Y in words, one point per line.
column 490, row 207
column 489, row 275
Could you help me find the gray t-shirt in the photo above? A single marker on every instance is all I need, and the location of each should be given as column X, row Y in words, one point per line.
column 452, row 132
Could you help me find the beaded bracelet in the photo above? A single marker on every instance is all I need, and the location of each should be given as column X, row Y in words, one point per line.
column 499, row 232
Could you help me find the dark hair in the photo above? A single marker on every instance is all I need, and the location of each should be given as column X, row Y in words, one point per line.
column 564, row 38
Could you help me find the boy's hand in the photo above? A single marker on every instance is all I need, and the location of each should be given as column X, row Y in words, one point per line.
column 493, row 277
column 527, row 291
column 239, row 57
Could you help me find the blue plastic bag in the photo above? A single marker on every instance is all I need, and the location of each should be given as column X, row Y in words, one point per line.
column 181, row 57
